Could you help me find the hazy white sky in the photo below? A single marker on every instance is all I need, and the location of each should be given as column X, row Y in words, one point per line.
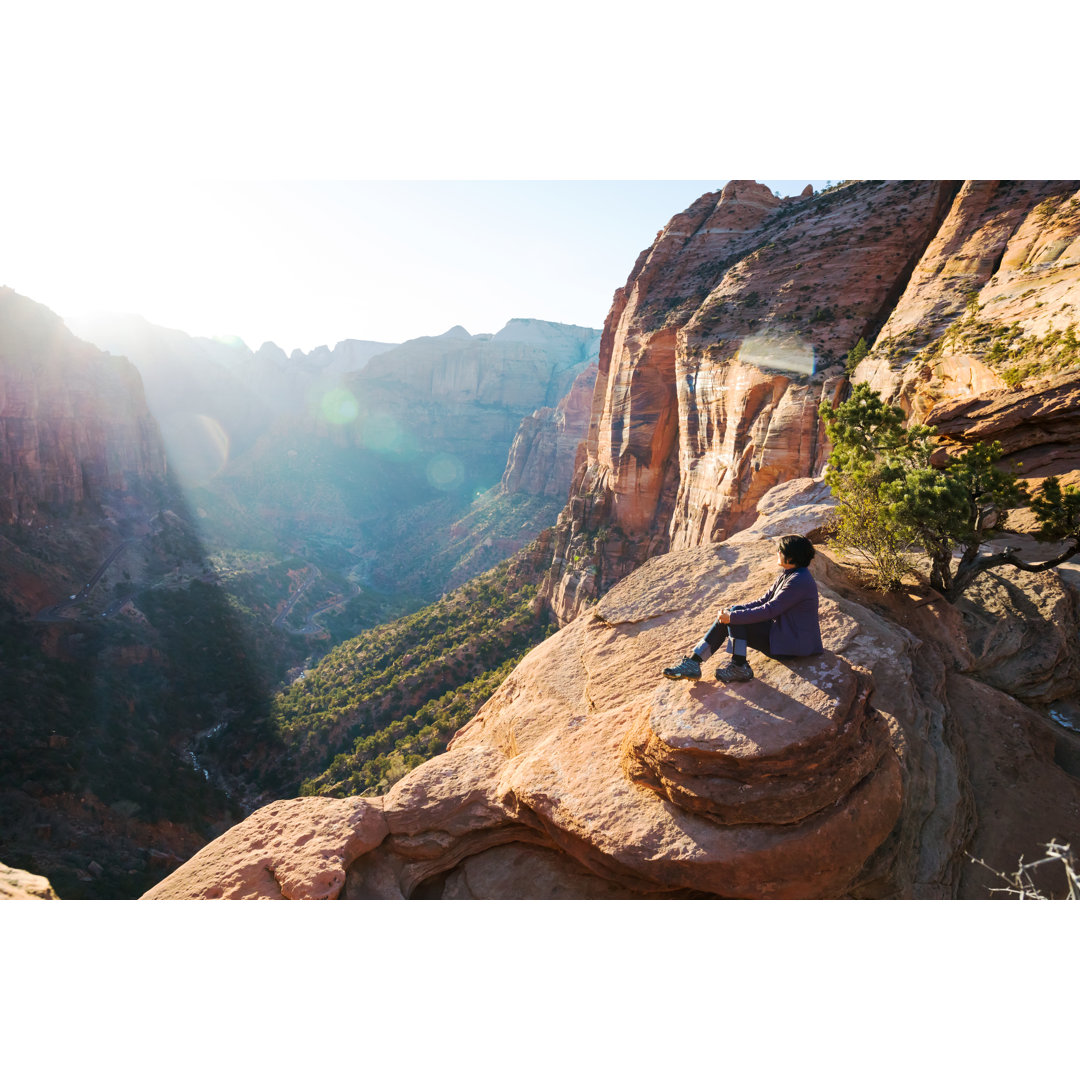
column 310, row 263
column 158, row 158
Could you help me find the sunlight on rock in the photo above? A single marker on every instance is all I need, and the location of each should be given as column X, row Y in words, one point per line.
column 787, row 353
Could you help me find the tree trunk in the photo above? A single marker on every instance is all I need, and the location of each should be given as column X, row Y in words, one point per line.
column 965, row 575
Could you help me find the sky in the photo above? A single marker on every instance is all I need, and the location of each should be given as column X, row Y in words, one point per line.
column 382, row 172
column 307, row 263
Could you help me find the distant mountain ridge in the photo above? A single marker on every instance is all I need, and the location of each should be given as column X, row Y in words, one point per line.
column 242, row 391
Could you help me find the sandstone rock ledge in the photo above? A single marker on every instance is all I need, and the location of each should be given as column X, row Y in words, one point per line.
column 22, row 885
column 587, row 775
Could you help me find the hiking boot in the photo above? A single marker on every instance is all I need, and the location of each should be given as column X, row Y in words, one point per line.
column 732, row 672
column 686, row 668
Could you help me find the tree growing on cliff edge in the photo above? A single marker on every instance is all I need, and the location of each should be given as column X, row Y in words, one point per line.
column 892, row 500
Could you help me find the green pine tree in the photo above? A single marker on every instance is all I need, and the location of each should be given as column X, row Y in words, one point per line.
column 851, row 361
column 894, row 500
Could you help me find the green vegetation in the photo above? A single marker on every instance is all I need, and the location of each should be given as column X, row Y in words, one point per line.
column 379, row 704
column 894, row 502
column 1014, row 354
column 377, row 761
column 855, row 355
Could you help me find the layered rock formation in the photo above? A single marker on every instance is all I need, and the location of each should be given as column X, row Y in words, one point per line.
column 547, row 448
column 466, row 394
column 729, row 330
column 587, row 775
column 74, row 425
column 979, row 344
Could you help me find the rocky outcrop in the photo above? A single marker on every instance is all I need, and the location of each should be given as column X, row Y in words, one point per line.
column 728, row 333
column 295, row 850
column 464, row 395
column 22, row 885
column 868, row 771
column 978, row 344
column 74, row 425
column 547, row 447
column 714, row 359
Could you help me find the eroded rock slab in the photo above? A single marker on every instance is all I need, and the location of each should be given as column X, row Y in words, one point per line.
column 22, row 885
column 773, row 751
column 294, row 849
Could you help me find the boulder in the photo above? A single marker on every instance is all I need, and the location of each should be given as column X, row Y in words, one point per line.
column 22, row 885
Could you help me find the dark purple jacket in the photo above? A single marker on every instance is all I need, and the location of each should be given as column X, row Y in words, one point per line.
column 791, row 605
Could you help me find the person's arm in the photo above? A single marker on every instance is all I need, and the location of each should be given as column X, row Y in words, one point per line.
column 762, row 599
column 794, row 588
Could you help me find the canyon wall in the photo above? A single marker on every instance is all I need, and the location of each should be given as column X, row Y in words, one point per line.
column 466, row 394
column 547, row 448
column 196, row 385
column 74, row 424
column 734, row 324
column 925, row 735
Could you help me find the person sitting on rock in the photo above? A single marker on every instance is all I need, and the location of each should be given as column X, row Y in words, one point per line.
column 783, row 622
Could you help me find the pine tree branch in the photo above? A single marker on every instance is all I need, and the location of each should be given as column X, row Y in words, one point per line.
column 1006, row 557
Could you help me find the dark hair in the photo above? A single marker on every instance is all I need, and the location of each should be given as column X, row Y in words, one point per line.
column 795, row 549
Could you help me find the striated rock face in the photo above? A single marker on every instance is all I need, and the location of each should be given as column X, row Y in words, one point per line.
column 715, row 357
column 728, row 332
column 74, row 425
column 977, row 344
column 545, row 451
column 466, row 394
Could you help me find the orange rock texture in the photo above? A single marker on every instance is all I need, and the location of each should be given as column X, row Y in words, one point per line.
column 868, row 771
column 22, row 885
column 74, row 424
column 587, row 775
column 730, row 331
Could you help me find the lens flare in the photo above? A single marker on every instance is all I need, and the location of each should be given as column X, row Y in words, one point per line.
column 382, row 433
column 197, row 446
column 339, row 406
column 445, row 472
column 779, row 352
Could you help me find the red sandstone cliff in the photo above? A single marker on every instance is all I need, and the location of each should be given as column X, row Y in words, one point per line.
column 730, row 329
column 74, row 425
column 925, row 731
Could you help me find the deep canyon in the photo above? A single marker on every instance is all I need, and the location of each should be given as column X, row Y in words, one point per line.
column 620, row 484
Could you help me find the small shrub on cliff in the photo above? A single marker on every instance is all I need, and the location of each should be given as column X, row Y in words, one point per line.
column 858, row 353
column 893, row 500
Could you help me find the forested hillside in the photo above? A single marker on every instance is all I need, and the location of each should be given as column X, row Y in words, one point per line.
column 381, row 703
